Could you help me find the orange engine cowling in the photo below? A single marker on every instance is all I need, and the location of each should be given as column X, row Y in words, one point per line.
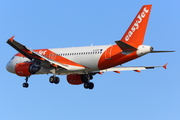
column 26, row 69
column 74, row 79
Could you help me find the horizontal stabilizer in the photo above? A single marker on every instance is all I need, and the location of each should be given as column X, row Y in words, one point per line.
column 126, row 49
column 125, row 46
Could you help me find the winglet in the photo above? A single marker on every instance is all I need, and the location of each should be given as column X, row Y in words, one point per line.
column 11, row 39
column 165, row 66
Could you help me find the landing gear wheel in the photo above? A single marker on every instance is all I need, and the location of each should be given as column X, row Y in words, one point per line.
column 86, row 85
column 91, row 85
column 51, row 79
column 25, row 85
column 54, row 79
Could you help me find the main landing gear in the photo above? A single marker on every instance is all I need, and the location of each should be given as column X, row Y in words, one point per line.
column 86, row 80
column 89, row 85
column 54, row 79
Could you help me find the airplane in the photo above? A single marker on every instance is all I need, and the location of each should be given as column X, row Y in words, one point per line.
column 80, row 64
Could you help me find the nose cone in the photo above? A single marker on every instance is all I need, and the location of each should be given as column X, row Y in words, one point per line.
column 10, row 66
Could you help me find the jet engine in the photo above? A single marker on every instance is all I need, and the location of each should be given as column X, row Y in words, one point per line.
column 26, row 69
column 75, row 79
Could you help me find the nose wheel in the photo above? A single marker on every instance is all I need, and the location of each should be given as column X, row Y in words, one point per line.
column 26, row 85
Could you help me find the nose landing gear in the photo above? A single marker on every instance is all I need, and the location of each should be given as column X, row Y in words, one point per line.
column 26, row 85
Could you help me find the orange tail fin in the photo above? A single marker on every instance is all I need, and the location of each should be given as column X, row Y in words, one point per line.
column 134, row 35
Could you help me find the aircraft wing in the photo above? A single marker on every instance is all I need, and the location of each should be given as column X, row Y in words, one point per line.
column 137, row 69
column 32, row 55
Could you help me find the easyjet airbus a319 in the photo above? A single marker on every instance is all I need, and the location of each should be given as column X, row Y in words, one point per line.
column 80, row 64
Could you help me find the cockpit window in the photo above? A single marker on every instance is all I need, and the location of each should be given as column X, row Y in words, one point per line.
column 12, row 58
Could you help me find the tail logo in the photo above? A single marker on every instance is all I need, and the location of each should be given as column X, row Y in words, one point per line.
column 136, row 24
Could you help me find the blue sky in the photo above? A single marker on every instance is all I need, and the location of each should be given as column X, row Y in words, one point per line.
column 149, row 95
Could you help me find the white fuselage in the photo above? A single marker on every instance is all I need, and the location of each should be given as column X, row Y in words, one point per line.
column 92, row 58
column 86, row 56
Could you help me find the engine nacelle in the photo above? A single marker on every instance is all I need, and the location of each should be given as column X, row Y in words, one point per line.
column 26, row 69
column 74, row 79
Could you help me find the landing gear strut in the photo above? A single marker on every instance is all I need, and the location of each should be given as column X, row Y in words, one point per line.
column 54, row 79
column 86, row 80
column 26, row 85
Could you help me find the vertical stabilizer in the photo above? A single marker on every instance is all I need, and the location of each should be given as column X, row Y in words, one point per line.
column 134, row 35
